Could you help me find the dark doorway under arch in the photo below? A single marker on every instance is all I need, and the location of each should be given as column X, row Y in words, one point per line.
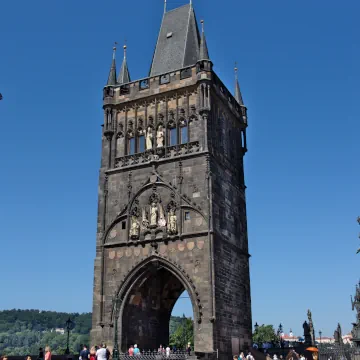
column 147, row 307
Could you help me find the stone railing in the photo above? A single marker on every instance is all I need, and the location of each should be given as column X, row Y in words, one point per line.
column 157, row 154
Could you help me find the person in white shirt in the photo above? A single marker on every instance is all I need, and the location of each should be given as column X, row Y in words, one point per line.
column 102, row 353
column 167, row 351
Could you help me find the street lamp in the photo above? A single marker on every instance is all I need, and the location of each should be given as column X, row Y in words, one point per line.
column 320, row 333
column 256, row 327
column 69, row 327
column 279, row 332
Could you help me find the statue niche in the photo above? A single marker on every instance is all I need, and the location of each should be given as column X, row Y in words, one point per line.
column 153, row 216
column 135, row 223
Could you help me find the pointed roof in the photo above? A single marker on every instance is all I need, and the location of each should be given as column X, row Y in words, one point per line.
column 178, row 41
column 204, row 53
column 124, row 75
column 238, row 96
column 112, row 73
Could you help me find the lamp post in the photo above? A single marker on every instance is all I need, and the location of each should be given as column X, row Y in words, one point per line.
column 69, row 327
column 279, row 332
column 320, row 333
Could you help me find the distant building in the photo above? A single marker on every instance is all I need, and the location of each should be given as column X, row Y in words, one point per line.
column 60, row 331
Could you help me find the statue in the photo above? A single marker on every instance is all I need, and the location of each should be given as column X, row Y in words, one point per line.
column 160, row 137
column 153, row 214
column 338, row 336
column 145, row 221
column 162, row 220
column 172, row 223
column 311, row 326
column 307, row 335
column 135, row 228
column 149, row 139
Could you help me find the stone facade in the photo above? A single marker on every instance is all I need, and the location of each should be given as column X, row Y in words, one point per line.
column 172, row 213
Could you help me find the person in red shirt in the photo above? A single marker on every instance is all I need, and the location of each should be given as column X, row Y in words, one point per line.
column 131, row 350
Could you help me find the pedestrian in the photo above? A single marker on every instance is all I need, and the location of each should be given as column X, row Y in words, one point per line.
column 188, row 348
column 235, row 357
column 241, row 356
column 160, row 349
column 131, row 350
column 101, row 354
column 250, row 357
column 27, row 357
column 136, row 350
column 276, row 358
column 4, row 357
column 47, row 353
column 268, row 357
column 92, row 353
column 174, row 349
column 167, row 351
column 41, row 354
column 85, row 353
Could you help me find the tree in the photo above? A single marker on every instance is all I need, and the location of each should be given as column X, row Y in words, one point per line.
column 183, row 334
column 264, row 334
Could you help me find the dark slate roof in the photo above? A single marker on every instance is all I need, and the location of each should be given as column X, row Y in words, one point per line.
column 178, row 42
column 112, row 73
column 124, row 75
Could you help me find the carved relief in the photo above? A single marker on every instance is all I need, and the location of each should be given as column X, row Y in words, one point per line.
column 160, row 137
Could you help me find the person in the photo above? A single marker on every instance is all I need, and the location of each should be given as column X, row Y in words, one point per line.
column 136, row 350
column 4, row 357
column 28, row 357
column 47, row 353
column 235, row 357
column 188, row 348
column 241, row 356
column 249, row 357
column 268, row 357
column 168, row 351
column 92, row 353
column 276, row 358
column 131, row 350
column 41, row 354
column 85, row 353
column 302, row 357
column 160, row 349
column 174, row 349
column 101, row 354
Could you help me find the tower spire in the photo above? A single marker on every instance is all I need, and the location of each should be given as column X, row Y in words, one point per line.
column 124, row 75
column 164, row 6
column 204, row 53
column 112, row 74
column 238, row 96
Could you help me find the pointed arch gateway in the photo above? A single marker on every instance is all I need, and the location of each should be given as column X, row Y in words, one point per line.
column 144, row 302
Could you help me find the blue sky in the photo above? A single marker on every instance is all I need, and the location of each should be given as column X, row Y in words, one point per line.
column 299, row 75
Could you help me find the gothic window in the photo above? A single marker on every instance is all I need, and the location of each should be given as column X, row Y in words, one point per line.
column 183, row 132
column 173, row 136
column 132, row 146
column 141, row 143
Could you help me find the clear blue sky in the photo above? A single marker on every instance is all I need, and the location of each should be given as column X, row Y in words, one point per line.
column 299, row 74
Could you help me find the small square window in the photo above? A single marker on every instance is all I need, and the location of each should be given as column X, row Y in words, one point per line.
column 123, row 225
column 187, row 215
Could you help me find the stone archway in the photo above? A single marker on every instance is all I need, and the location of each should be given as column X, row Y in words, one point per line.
column 145, row 302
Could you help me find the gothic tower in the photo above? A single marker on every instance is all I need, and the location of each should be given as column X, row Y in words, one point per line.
column 172, row 209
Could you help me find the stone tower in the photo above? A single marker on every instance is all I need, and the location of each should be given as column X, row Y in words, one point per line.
column 172, row 209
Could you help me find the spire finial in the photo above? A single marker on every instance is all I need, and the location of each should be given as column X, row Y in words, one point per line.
column 164, row 6
column 114, row 50
column 190, row 2
column 202, row 26
column 238, row 96
column 236, row 71
column 125, row 47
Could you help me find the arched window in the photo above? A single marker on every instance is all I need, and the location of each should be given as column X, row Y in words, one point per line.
column 132, row 146
column 183, row 131
column 141, row 143
column 173, row 136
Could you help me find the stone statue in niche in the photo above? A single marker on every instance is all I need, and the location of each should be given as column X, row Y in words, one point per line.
column 162, row 220
column 172, row 222
column 145, row 222
column 135, row 228
column 149, row 139
column 160, row 137
column 153, row 214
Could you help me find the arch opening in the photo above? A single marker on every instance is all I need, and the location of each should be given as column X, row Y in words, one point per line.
column 147, row 307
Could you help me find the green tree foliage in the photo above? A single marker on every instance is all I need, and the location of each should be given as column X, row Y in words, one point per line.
column 264, row 334
column 24, row 331
column 183, row 332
